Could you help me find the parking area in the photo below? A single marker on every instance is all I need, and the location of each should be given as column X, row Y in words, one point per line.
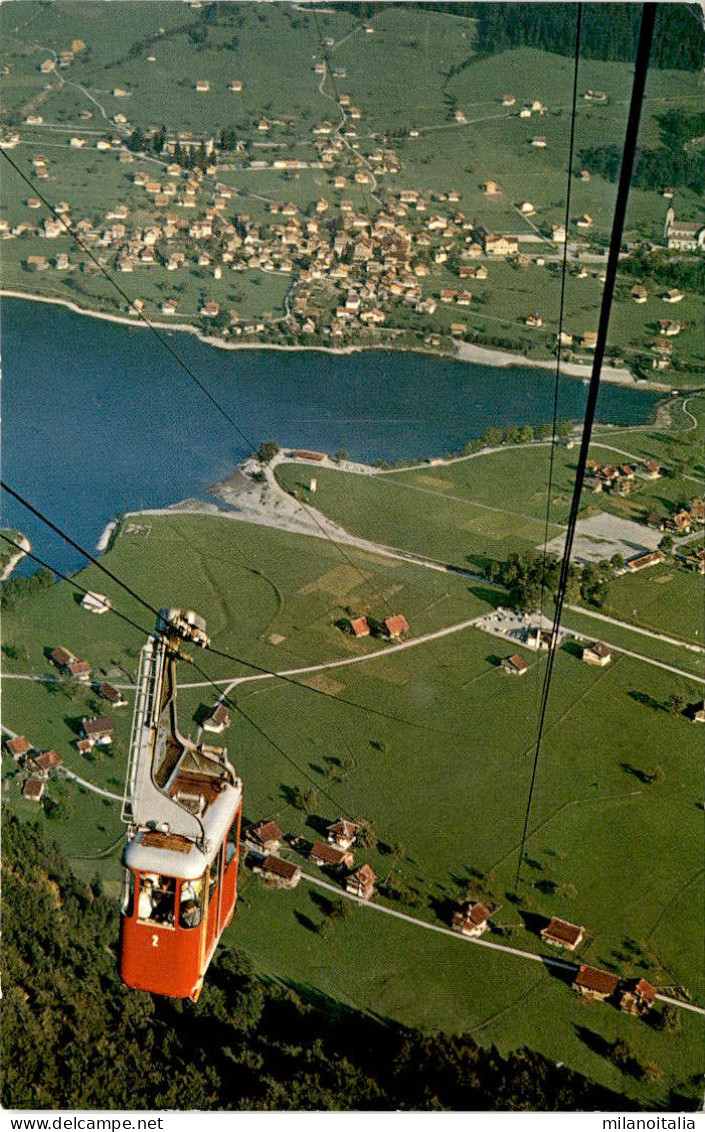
column 602, row 536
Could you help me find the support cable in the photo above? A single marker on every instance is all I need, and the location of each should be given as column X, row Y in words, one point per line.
column 628, row 154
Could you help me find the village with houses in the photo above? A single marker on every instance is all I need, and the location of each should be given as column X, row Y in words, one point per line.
column 349, row 250
column 367, row 618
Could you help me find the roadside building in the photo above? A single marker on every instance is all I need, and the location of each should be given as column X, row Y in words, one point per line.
column 45, row 764
column 113, row 695
column 559, row 933
column 330, row 857
column 594, row 984
column 596, row 654
column 393, row 627
column 472, row 918
column 638, row 997
column 278, row 872
column 361, row 883
column 18, row 747
column 266, row 836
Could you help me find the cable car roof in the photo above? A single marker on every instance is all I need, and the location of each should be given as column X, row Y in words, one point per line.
column 171, row 854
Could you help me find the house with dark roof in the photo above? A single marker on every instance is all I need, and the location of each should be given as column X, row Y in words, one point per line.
column 330, row 857
column 559, row 933
column 266, row 836
column 97, row 730
column 278, row 872
column 33, row 789
column 113, row 695
column 218, row 719
column 594, row 984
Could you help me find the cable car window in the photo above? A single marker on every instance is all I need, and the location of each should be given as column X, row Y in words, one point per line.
column 214, row 875
column 128, row 893
column 231, row 843
column 191, row 903
column 157, row 899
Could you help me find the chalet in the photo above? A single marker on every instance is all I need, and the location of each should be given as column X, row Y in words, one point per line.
column 669, row 328
column 698, row 713
column 235, row 84
column 498, row 245
column 266, row 836
column 210, row 309
column 33, row 789
column 508, row 100
column 595, row 96
column 203, row 86
column 43, row 765
column 394, row 626
column 359, row 627
column 638, row 998
column 84, row 746
column 596, row 654
column 589, row 340
column 652, row 469
column 218, row 719
column 539, row 142
column 594, row 984
column 342, row 833
column 278, row 872
column 329, row 856
column 534, row 320
column 639, row 293
column 673, row 296
column 558, row 233
column 643, row 561
column 69, row 665
column 559, row 933
column 361, row 883
column 18, row 747
column 113, row 695
column 491, row 189
column 98, row 730
column 95, row 603
column 472, row 918
column 514, row 665
column 680, row 523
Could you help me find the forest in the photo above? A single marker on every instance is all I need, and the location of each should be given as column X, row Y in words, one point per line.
column 74, row 1037
column 677, row 162
column 609, row 31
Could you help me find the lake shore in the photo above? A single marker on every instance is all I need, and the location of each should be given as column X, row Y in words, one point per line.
column 465, row 351
column 7, row 571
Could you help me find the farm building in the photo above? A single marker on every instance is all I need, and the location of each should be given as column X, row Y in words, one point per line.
column 559, row 933
column 596, row 654
column 218, row 719
column 33, row 789
column 329, row 856
column 43, row 765
column 266, row 836
column 514, row 665
column 472, row 918
column 342, row 833
column 113, row 695
column 594, row 984
column 281, row 873
column 361, row 883
column 18, row 747
column 395, row 626
column 638, row 997
column 359, row 627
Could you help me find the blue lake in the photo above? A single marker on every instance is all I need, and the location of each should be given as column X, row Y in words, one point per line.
column 99, row 419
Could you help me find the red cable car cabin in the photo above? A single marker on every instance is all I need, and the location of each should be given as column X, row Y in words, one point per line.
column 183, row 803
